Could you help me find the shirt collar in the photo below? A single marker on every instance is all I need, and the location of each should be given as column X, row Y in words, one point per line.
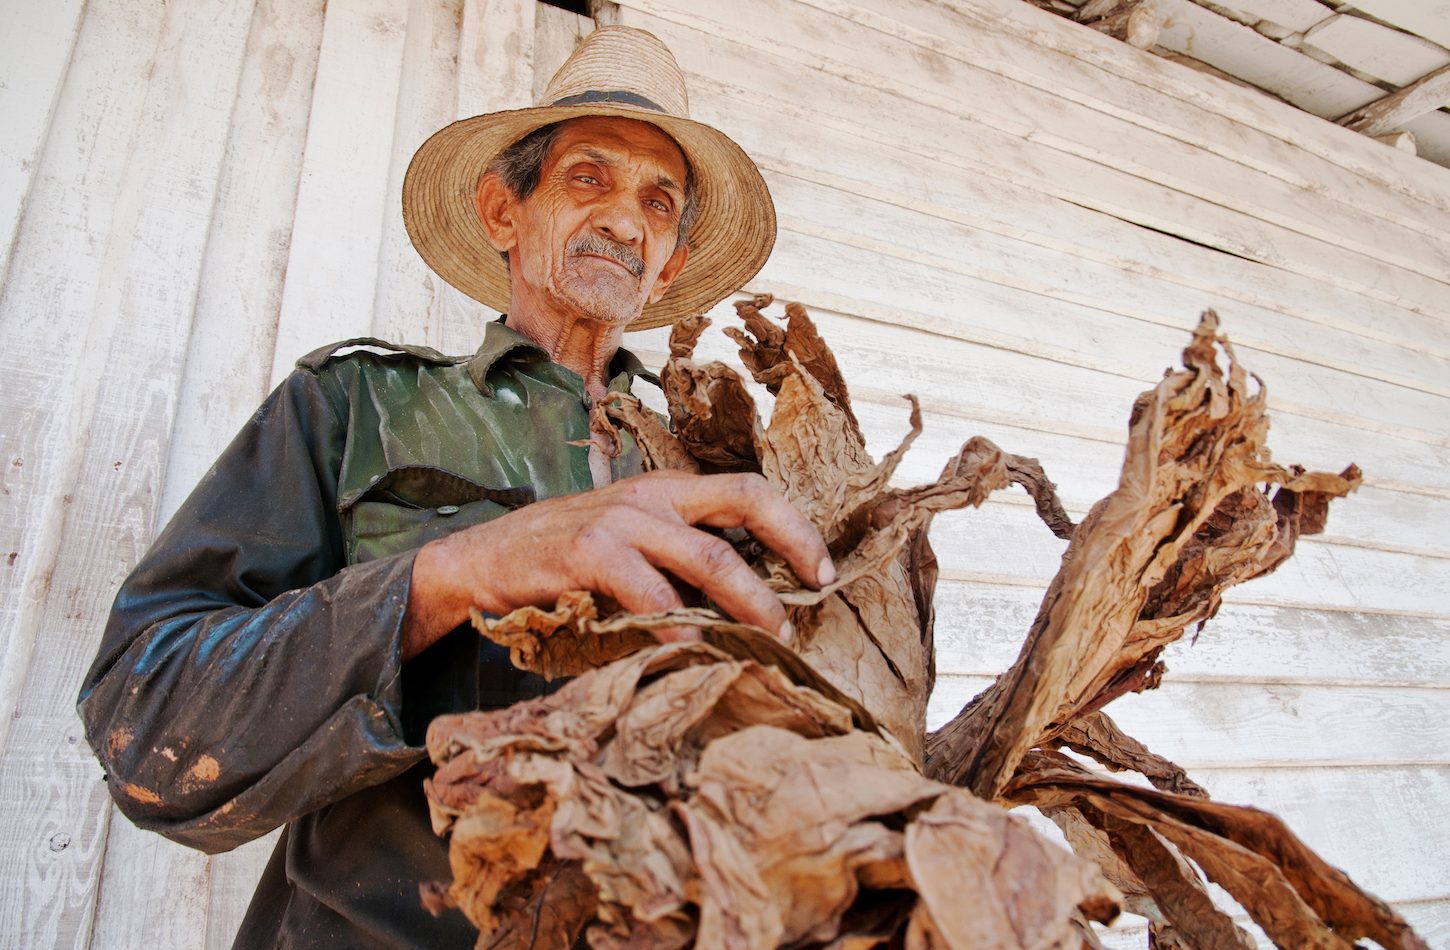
column 501, row 342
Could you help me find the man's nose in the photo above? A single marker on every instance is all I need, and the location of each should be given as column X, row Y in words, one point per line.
column 618, row 218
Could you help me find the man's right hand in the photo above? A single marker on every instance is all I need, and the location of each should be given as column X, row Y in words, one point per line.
column 617, row 541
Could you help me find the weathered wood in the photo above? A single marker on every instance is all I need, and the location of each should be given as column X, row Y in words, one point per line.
column 407, row 303
column 1428, row 18
column 1292, row 128
column 1307, row 83
column 154, row 893
column 131, row 363
column 495, row 56
column 1375, row 49
column 816, row 37
column 951, row 375
column 836, row 215
column 1059, row 61
column 239, row 291
column 1135, row 255
column 1404, row 141
column 556, row 33
column 495, row 71
column 36, row 45
column 233, row 878
column 332, row 262
column 979, row 634
column 1137, row 24
column 1387, row 114
column 49, row 311
column 1294, row 15
column 1264, row 726
column 1008, row 543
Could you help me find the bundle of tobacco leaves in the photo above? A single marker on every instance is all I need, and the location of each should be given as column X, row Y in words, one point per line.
column 736, row 792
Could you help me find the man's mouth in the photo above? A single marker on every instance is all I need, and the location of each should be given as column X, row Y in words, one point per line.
column 598, row 247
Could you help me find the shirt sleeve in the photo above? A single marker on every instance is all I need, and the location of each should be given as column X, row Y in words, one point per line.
column 246, row 675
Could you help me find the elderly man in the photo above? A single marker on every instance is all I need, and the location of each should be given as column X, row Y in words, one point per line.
column 277, row 655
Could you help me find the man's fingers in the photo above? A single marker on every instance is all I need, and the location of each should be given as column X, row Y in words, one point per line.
column 749, row 501
column 640, row 588
column 710, row 565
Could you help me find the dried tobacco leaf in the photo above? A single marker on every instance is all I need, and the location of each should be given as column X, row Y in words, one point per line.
column 736, row 793
column 1187, row 520
column 715, row 800
column 1297, row 898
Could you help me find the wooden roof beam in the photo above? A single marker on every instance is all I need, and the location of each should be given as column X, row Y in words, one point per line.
column 1424, row 95
column 1135, row 22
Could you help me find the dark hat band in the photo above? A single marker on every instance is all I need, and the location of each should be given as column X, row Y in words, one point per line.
column 616, row 95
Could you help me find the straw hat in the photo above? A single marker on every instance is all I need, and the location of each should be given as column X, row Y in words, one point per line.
column 615, row 71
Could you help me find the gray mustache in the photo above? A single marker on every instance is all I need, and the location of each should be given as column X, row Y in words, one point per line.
column 594, row 244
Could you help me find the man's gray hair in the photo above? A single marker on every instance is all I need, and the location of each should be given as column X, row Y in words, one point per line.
column 520, row 165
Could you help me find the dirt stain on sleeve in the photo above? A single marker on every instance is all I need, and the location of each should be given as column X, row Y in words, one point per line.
column 206, row 769
column 141, row 794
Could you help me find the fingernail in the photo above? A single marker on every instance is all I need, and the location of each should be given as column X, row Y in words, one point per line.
column 826, row 572
column 787, row 632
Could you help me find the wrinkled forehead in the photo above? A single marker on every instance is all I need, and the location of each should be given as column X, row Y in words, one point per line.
column 621, row 142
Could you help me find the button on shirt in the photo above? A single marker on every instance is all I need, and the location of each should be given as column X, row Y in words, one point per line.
column 250, row 673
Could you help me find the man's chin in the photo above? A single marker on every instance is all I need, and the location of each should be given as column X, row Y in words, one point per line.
column 597, row 304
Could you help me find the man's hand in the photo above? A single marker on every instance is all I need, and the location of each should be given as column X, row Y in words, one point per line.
column 617, row 541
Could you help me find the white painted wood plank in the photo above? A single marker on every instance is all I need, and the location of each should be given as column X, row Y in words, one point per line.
column 1428, row 18
column 1084, row 460
column 556, row 33
column 1294, row 15
column 955, row 86
column 1401, row 173
column 980, row 629
column 1258, row 725
column 1421, row 97
column 1327, row 809
column 407, row 305
column 137, row 339
column 234, row 876
column 1430, row 919
column 51, row 855
column 927, row 25
column 239, row 294
column 1076, row 178
column 154, row 893
column 1239, row 51
column 844, row 158
column 1377, row 50
column 49, row 311
column 35, row 49
column 1072, row 308
column 336, row 235
column 1008, row 542
column 1071, row 399
column 495, row 71
column 1432, row 136
column 495, row 56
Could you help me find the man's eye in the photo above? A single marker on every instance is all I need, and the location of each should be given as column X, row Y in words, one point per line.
column 659, row 205
column 587, row 179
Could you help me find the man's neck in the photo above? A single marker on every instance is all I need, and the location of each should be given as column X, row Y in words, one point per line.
column 585, row 346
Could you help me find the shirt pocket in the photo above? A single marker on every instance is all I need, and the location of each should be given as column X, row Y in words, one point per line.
column 409, row 506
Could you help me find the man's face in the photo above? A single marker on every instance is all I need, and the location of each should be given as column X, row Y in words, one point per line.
column 597, row 238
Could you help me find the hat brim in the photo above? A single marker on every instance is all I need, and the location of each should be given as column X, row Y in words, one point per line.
column 729, row 243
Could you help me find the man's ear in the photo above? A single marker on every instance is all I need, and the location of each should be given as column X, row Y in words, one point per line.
column 495, row 204
column 670, row 271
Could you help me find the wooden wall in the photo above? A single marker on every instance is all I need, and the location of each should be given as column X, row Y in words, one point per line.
column 1010, row 215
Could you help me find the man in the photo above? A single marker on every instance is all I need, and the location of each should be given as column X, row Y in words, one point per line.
column 277, row 655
